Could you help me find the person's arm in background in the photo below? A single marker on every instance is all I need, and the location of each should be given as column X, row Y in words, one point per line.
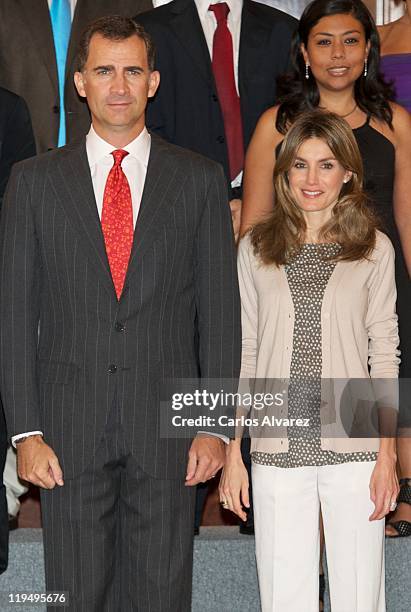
column 258, row 188
column 402, row 182
column 18, row 139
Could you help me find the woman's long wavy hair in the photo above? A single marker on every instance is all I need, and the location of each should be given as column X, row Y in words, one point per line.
column 297, row 94
column 279, row 239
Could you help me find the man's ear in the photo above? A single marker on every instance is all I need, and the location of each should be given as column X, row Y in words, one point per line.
column 79, row 83
column 153, row 83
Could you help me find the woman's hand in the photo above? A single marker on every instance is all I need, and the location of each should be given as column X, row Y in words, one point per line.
column 233, row 486
column 384, row 487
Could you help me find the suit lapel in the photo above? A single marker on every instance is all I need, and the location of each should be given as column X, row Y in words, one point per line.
column 164, row 181
column 254, row 36
column 74, row 189
column 37, row 17
column 186, row 26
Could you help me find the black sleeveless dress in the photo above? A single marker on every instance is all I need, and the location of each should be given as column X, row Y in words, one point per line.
column 378, row 155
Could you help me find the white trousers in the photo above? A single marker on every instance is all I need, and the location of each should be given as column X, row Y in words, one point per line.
column 286, row 516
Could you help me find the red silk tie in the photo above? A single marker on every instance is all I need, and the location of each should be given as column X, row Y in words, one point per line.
column 223, row 69
column 117, row 221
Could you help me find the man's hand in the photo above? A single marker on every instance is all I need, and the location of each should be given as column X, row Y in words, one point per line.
column 235, row 206
column 205, row 458
column 37, row 463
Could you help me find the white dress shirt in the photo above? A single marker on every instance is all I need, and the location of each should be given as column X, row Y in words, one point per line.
column 72, row 6
column 134, row 166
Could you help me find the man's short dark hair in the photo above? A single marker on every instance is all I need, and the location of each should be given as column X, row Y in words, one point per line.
column 117, row 28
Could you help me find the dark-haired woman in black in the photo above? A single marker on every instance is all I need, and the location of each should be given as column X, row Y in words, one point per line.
column 335, row 57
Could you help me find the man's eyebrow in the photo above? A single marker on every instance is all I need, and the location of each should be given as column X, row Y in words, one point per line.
column 108, row 67
column 138, row 68
column 111, row 67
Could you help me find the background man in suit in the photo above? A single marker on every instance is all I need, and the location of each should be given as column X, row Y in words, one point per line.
column 118, row 312
column 16, row 135
column 292, row 7
column 219, row 63
column 38, row 43
column 217, row 80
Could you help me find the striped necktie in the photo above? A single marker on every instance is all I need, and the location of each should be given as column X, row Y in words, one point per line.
column 61, row 25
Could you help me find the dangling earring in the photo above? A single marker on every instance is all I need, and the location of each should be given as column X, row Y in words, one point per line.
column 307, row 74
column 365, row 67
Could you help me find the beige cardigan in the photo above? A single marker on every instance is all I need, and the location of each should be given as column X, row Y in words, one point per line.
column 359, row 329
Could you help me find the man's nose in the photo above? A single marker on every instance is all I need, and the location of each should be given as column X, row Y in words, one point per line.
column 119, row 84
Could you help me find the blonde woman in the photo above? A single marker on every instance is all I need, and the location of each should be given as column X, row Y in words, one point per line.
column 318, row 302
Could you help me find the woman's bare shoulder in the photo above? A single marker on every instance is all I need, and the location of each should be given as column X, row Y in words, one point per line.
column 401, row 121
column 266, row 129
column 268, row 118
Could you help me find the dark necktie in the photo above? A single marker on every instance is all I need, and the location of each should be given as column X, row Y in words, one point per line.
column 117, row 221
column 223, row 69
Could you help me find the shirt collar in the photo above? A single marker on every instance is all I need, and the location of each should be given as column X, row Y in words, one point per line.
column 235, row 6
column 98, row 149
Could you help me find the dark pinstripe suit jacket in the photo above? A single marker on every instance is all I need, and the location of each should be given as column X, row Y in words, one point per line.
column 178, row 315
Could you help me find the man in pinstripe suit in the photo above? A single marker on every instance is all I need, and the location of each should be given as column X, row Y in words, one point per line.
column 82, row 360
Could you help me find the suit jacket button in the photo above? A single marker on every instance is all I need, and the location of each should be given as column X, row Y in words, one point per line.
column 119, row 327
column 112, row 369
column 56, row 109
column 214, row 98
column 221, row 139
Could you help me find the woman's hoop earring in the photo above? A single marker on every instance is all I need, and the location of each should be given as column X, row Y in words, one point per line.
column 307, row 73
column 365, row 67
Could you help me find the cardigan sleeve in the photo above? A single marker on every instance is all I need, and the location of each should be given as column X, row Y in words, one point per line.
column 381, row 319
column 249, row 309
